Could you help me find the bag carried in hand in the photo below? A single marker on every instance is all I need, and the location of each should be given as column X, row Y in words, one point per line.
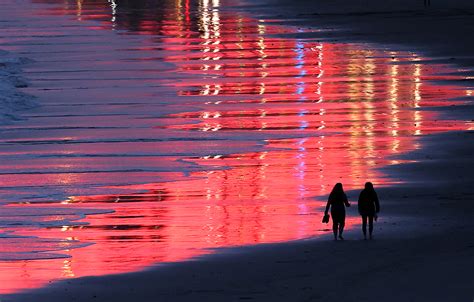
column 326, row 218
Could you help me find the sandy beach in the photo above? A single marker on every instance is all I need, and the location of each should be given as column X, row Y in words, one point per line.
column 426, row 255
column 423, row 247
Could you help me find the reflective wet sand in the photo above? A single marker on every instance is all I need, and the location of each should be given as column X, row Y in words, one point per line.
column 186, row 126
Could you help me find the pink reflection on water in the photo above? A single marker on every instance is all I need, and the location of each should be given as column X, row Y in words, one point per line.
column 345, row 111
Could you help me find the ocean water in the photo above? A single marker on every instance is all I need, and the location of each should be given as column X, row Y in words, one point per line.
column 163, row 129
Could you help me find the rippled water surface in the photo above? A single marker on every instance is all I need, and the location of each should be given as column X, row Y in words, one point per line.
column 169, row 127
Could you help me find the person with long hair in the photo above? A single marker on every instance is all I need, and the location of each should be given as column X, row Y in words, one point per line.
column 368, row 208
column 338, row 202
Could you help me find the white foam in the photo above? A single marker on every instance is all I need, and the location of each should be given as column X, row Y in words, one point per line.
column 12, row 100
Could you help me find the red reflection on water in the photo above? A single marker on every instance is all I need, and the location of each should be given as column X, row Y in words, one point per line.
column 345, row 111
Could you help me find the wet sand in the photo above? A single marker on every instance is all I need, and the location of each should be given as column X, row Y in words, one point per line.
column 409, row 238
column 440, row 31
column 427, row 255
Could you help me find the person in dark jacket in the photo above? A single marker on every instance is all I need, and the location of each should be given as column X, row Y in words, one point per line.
column 368, row 208
column 337, row 201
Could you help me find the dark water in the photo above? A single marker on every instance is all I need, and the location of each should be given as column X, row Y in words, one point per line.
column 187, row 125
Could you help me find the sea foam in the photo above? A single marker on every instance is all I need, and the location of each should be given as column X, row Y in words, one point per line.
column 12, row 100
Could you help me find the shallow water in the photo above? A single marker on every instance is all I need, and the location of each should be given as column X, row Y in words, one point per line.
column 171, row 127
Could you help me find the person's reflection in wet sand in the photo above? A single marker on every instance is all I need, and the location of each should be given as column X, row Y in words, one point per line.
column 337, row 201
column 369, row 206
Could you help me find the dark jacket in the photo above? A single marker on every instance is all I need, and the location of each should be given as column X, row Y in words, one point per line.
column 368, row 203
column 338, row 202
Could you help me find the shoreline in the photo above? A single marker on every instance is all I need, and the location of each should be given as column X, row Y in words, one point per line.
column 313, row 269
column 305, row 267
column 432, row 264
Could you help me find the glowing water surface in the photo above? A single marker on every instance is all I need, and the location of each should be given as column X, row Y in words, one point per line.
column 184, row 125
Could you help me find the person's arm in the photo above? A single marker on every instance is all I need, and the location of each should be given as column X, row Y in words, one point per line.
column 377, row 204
column 346, row 202
column 359, row 201
column 328, row 205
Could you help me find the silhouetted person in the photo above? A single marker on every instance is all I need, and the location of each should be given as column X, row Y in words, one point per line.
column 368, row 208
column 337, row 201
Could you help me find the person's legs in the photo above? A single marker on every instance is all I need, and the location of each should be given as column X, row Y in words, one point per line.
column 342, row 222
column 341, row 229
column 334, row 228
column 364, row 226
column 371, row 225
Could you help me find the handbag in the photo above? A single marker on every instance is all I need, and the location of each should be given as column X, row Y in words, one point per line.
column 326, row 218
